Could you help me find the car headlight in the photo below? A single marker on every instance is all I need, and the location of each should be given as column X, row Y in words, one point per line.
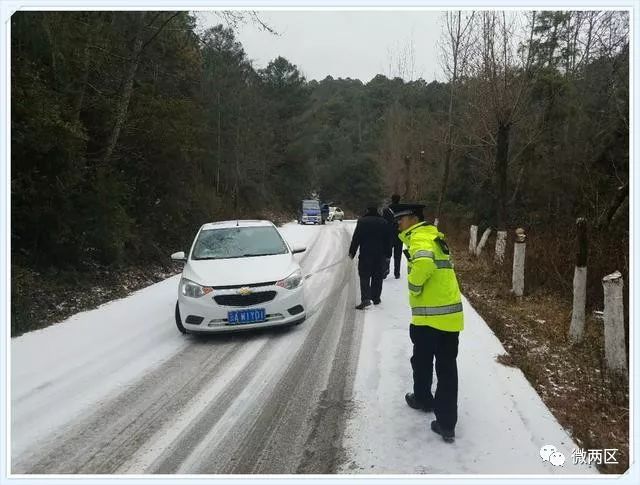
column 192, row 289
column 292, row 281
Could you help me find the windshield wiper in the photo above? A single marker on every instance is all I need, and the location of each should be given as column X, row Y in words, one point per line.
column 255, row 255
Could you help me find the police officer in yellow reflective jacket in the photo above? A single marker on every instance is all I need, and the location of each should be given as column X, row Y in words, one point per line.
column 437, row 318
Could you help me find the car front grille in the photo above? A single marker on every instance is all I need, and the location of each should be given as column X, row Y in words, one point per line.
column 245, row 300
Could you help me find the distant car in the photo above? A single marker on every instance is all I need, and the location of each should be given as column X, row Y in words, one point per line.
column 239, row 275
column 337, row 214
column 310, row 212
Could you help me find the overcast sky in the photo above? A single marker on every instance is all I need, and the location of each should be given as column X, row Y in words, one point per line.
column 355, row 44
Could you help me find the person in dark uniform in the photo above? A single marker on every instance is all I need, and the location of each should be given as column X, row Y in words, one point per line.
column 371, row 237
column 396, row 243
column 437, row 318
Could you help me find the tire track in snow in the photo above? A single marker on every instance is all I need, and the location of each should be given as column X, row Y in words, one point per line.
column 278, row 435
column 97, row 443
column 126, row 427
column 236, row 442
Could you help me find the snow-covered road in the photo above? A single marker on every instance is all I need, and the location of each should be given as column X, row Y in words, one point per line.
column 502, row 422
column 119, row 390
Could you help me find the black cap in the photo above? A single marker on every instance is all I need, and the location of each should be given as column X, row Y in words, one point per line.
column 400, row 210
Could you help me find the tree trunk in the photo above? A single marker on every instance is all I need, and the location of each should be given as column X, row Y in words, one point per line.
column 587, row 47
column 84, row 78
column 576, row 330
column 483, row 241
column 53, row 49
column 473, row 239
column 455, row 49
column 614, row 336
column 445, row 173
column 501, row 247
column 553, row 44
column 519, row 251
column 502, row 163
column 583, row 243
column 620, row 197
column 127, row 90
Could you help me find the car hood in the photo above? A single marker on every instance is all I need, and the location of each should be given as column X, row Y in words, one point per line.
column 240, row 271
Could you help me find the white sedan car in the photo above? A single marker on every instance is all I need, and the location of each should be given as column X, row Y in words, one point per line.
column 337, row 214
column 239, row 275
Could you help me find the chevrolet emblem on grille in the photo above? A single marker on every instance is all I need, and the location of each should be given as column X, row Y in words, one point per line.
column 244, row 291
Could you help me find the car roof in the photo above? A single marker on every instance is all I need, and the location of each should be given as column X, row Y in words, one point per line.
column 236, row 223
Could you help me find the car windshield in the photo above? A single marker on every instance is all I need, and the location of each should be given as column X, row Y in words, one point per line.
column 238, row 242
column 310, row 204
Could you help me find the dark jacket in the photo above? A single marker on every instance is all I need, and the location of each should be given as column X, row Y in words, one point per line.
column 372, row 238
column 387, row 213
column 389, row 217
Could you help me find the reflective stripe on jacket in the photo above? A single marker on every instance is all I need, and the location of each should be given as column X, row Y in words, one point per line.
column 434, row 294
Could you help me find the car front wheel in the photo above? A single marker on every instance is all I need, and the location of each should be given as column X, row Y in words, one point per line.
column 179, row 321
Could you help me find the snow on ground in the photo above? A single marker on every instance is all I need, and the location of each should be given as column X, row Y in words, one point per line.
column 300, row 235
column 58, row 371
column 62, row 370
column 502, row 422
column 321, row 268
column 297, row 234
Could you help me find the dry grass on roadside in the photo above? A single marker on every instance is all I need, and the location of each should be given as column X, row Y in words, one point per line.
column 591, row 405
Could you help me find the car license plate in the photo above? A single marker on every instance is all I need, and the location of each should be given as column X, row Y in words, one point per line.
column 247, row 316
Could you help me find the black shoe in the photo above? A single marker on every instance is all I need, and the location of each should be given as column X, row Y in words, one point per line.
column 397, row 276
column 363, row 305
column 376, row 302
column 448, row 436
column 415, row 404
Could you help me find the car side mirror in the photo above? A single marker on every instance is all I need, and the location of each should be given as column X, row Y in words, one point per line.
column 179, row 256
column 299, row 249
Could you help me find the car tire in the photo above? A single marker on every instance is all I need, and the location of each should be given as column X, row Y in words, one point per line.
column 181, row 328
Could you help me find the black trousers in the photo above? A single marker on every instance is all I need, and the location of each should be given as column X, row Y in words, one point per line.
column 397, row 256
column 428, row 344
column 396, row 249
column 371, row 276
